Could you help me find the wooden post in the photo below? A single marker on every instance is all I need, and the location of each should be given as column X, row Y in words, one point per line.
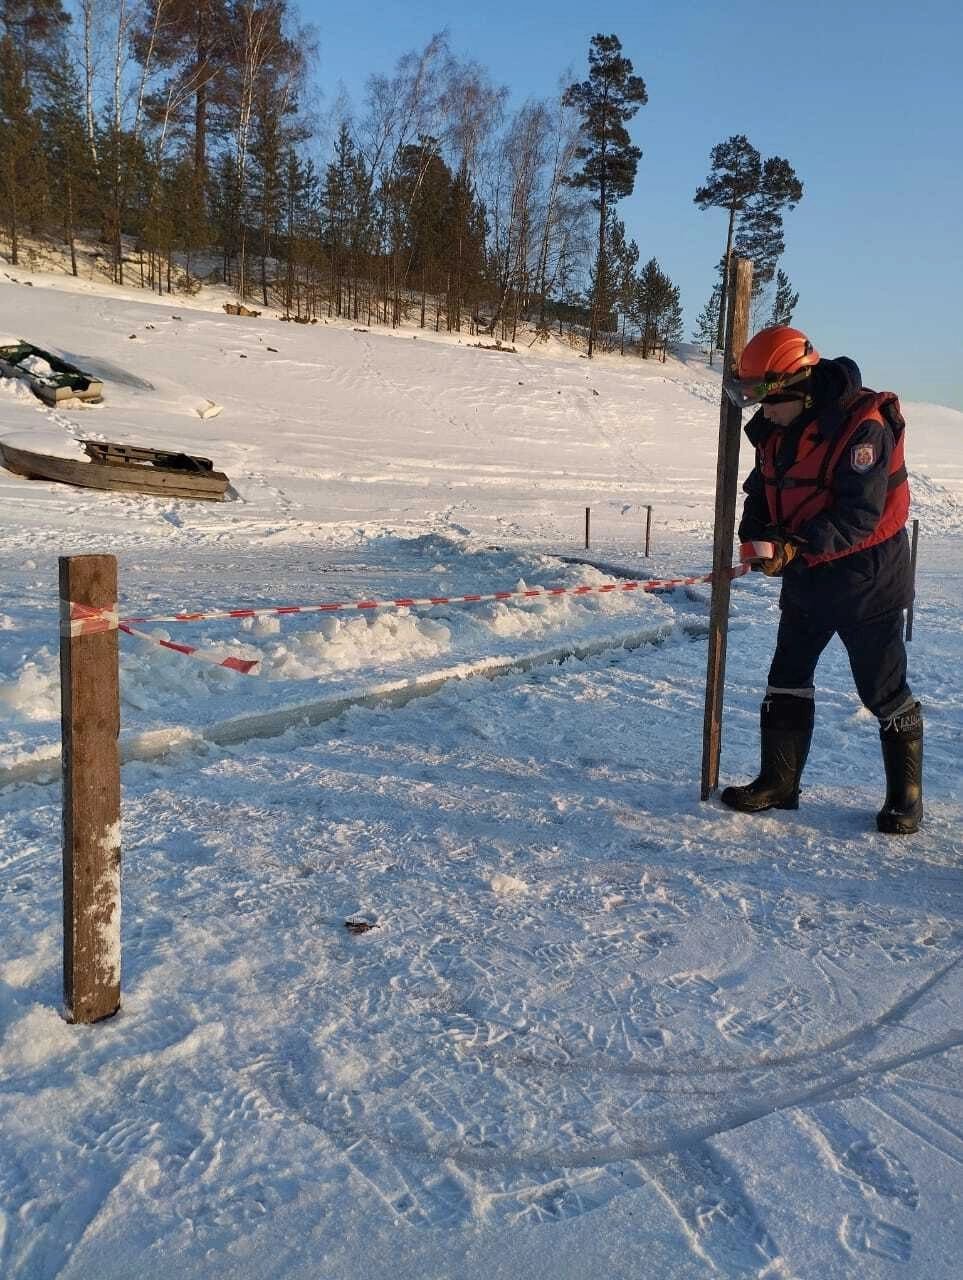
column 90, row 723
column 648, row 530
column 727, row 482
column 588, row 523
column 909, row 612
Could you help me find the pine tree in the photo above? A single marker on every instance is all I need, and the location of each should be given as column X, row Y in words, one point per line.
column 267, row 152
column 22, row 178
column 623, row 258
column 346, row 227
column 707, row 323
column 760, row 234
column 191, row 41
column 734, row 176
column 190, row 227
column 65, row 149
column 671, row 325
column 654, row 295
column 298, row 200
column 38, row 28
column 606, row 101
column 740, row 182
column 428, row 233
column 785, row 301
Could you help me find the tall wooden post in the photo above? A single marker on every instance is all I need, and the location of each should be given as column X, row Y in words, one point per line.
column 727, row 483
column 588, row 527
column 913, row 549
column 648, row 529
column 90, row 724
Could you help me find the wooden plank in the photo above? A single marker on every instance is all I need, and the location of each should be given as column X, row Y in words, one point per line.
column 90, row 724
column 727, row 483
column 113, row 454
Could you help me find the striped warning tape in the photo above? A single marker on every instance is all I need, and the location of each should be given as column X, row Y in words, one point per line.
column 86, row 620
column 244, row 665
column 89, row 621
column 412, row 602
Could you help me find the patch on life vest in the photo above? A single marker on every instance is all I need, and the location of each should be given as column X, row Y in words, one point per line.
column 863, row 456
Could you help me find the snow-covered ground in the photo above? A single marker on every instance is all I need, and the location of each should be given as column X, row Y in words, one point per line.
column 599, row 1026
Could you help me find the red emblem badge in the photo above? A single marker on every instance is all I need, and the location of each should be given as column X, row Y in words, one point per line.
column 863, row 456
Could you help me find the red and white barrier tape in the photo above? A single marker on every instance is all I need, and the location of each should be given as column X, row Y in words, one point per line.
column 88, row 621
column 405, row 602
column 244, row 665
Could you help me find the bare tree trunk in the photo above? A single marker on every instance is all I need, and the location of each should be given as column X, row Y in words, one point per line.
column 87, row 19
column 69, row 221
column 242, row 263
column 14, row 252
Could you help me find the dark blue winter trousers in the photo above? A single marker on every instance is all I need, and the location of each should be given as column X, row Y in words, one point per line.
column 877, row 656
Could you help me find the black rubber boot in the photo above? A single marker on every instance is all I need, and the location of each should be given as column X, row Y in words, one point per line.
column 786, row 728
column 902, row 741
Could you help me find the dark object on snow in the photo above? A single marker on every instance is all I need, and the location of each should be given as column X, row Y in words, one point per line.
column 63, row 382
column 902, row 743
column 124, row 468
column 239, row 309
column 786, row 724
column 360, row 926
column 494, row 346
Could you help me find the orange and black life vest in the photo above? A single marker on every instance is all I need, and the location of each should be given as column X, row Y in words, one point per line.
column 796, row 494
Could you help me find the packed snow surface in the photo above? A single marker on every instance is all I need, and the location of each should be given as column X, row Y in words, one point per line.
column 581, row 1022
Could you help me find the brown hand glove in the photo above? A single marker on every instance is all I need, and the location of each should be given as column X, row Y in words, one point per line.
column 783, row 553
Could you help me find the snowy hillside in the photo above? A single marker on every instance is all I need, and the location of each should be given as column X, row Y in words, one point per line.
column 599, row 1026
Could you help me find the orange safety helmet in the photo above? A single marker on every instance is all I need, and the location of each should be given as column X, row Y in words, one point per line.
column 774, row 359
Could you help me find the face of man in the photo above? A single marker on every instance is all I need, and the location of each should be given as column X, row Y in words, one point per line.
column 783, row 413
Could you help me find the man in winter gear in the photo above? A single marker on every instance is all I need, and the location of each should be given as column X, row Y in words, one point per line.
column 829, row 491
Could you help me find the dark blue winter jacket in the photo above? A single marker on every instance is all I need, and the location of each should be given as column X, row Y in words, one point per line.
column 860, row 584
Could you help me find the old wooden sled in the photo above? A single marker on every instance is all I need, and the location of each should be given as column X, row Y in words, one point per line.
column 63, row 381
column 124, row 468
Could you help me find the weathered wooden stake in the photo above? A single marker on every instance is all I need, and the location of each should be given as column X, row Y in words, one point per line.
column 90, row 723
column 588, row 522
column 913, row 546
column 648, row 529
column 727, row 482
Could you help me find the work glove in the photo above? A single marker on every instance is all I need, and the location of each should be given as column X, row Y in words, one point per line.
column 783, row 553
column 784, row 550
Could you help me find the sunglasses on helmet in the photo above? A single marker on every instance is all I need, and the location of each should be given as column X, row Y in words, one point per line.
column 769, row 389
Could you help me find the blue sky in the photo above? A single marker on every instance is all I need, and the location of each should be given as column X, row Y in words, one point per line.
column 864, row 99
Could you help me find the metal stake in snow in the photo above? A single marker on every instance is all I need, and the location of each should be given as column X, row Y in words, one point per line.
column 90, row 724
column 913, row 549
column 727, row 481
